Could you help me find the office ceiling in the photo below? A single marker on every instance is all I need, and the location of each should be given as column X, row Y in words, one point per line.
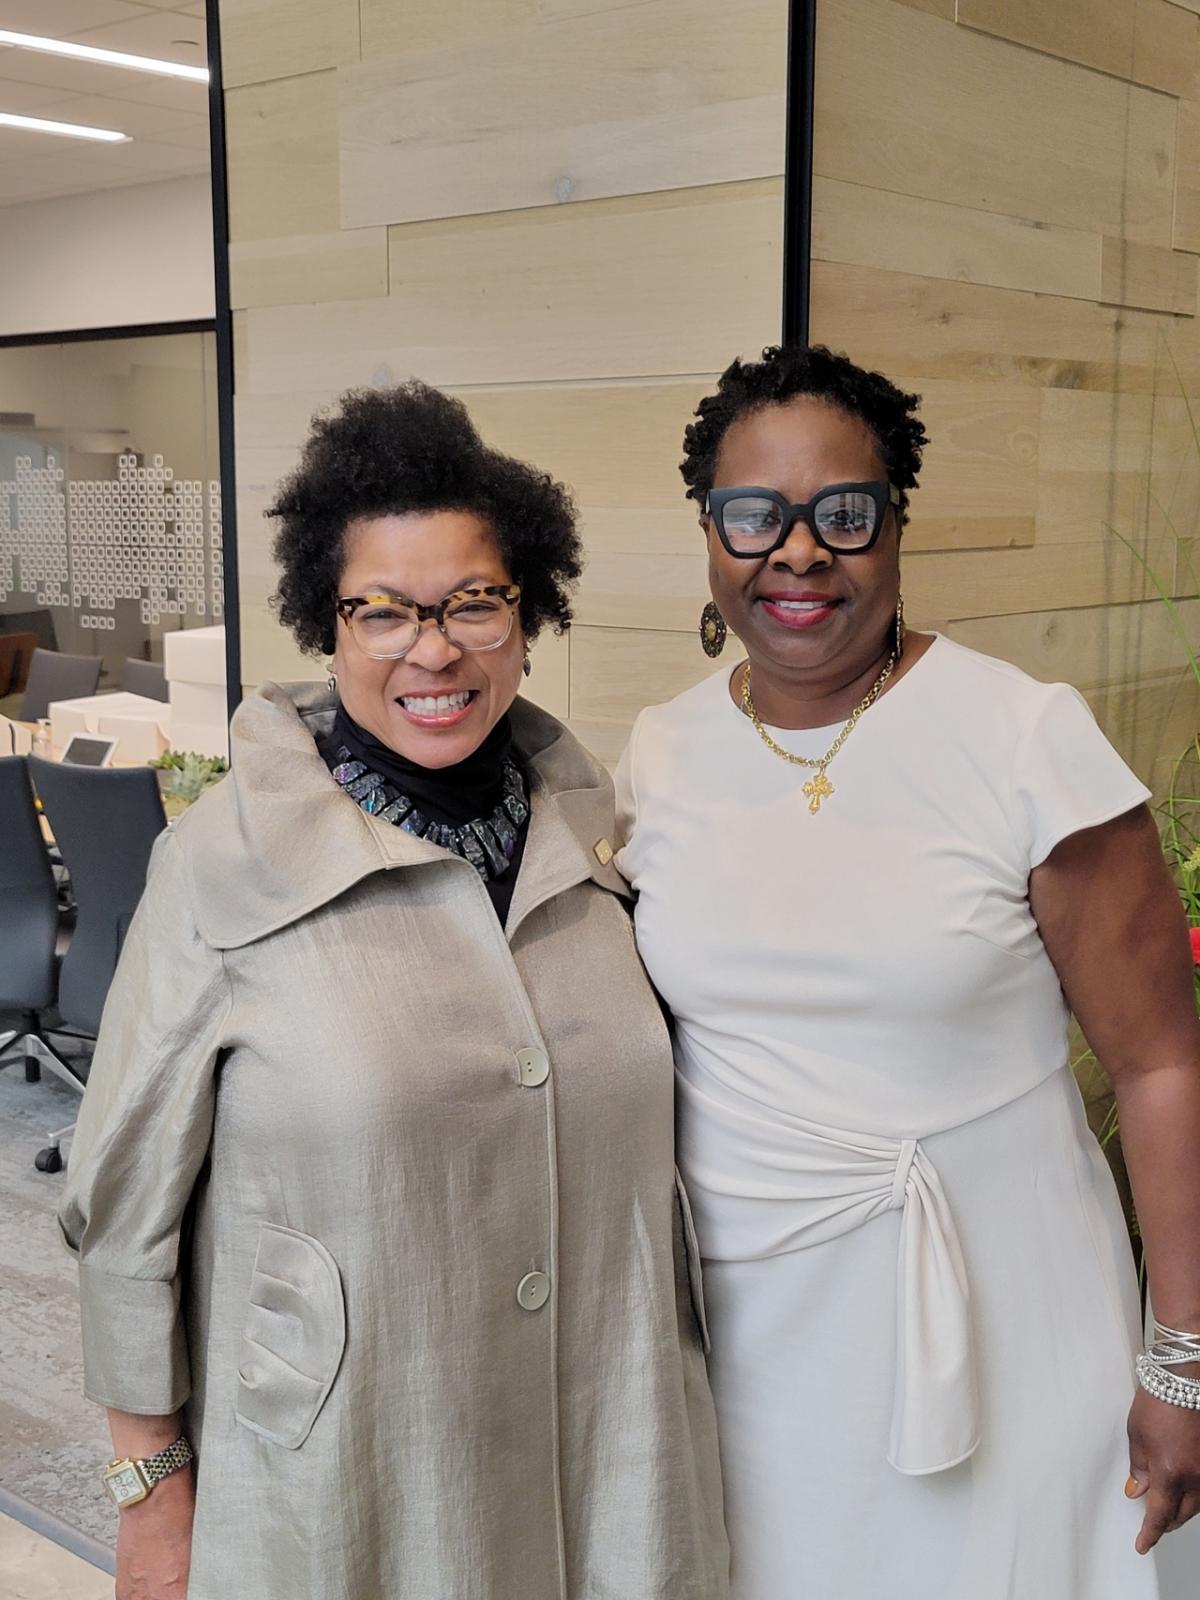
column 166, row 118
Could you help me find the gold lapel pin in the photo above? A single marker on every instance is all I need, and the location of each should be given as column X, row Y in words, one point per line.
column 603, row 851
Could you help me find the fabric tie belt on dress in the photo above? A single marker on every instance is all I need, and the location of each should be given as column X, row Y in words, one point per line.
column 764, row 1186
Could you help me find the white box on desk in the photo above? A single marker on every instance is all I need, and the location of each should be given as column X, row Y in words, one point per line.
column 194, row 655
column 199, row 702
column 204, row 738
column 139, row 739
column 68, row 717
column 83, row 715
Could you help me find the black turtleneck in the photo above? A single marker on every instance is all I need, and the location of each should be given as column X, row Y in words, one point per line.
column 452, row 795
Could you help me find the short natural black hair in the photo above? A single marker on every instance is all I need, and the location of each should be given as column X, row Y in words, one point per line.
column 386, row 452
column 787, row 371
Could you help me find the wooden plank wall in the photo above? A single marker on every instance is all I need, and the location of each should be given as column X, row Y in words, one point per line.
column 567, row 211
column 1007, row 220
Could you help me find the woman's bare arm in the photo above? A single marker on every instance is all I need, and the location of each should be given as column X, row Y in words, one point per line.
column 1114, row 928
column 154, row 1537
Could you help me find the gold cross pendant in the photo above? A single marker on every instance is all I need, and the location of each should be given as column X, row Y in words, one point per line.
column 817, row 789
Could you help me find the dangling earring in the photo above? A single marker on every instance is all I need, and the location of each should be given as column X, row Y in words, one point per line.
column 899, row 626
column 712, row 630
column 331, row 680
column 527, row 665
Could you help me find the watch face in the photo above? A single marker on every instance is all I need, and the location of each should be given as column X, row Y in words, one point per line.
column 125, row 1486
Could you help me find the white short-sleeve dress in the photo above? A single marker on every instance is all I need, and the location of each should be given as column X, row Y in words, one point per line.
column 920, row 1291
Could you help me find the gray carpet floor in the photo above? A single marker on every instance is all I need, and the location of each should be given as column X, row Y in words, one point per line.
column 52, row 1440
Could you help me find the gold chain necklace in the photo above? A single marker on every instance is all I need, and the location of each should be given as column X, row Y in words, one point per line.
column 818, row 788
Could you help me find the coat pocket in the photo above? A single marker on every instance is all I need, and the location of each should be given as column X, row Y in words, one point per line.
column 294, row 1337
column 688, row 1246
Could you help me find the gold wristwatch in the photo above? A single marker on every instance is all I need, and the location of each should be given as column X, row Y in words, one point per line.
column 127, row 1482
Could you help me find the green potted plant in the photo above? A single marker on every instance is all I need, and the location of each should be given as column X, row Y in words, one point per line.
column 183, row 776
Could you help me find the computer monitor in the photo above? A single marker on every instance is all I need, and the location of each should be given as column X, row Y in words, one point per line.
column 89, row 750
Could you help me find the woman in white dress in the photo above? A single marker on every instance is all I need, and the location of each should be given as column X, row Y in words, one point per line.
column 869, row 863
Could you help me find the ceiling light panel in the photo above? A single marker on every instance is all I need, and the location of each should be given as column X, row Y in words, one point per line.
column 99, row 111
column 109, row 58
column 70, row 130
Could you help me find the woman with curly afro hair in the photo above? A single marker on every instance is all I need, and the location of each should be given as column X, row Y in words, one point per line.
column 378, row 1144
column 869, row 863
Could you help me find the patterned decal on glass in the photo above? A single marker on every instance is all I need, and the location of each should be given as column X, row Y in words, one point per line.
column 88, row 544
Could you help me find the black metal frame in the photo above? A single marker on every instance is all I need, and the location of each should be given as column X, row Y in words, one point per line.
column 798, row 170
column 127, row 330
column 225, row 372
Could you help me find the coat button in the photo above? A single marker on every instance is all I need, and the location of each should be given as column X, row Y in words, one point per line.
column 534, row 1065
column 533, row 1291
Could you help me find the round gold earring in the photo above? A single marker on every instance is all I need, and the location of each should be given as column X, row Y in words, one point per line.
column 713, row 631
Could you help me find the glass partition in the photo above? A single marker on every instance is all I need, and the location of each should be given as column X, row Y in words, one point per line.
column 110, row 497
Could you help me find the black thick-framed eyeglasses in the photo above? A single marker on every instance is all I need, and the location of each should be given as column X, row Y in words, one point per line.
column 844, row 518
column 385, row 626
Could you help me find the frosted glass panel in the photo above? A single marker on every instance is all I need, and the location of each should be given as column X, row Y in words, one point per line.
column 110, row 497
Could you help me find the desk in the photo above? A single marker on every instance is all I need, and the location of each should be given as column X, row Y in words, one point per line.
column 53, row 753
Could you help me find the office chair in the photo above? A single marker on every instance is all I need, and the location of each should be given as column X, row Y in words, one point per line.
column 105, row 822
column 28, row 928
column 40, row 623
column 57, row 677
column 146, row 678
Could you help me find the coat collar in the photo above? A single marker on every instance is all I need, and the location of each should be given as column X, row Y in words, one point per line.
column 277, row 838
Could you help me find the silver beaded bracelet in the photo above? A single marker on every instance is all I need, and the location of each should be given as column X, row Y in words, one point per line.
column 1165, row 1384
column 1156, row 1367
column 1164, row 1354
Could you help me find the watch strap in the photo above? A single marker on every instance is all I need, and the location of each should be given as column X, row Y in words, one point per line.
column 157, row 1467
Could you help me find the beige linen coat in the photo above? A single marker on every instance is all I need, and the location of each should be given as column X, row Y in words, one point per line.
column 336, row 1120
